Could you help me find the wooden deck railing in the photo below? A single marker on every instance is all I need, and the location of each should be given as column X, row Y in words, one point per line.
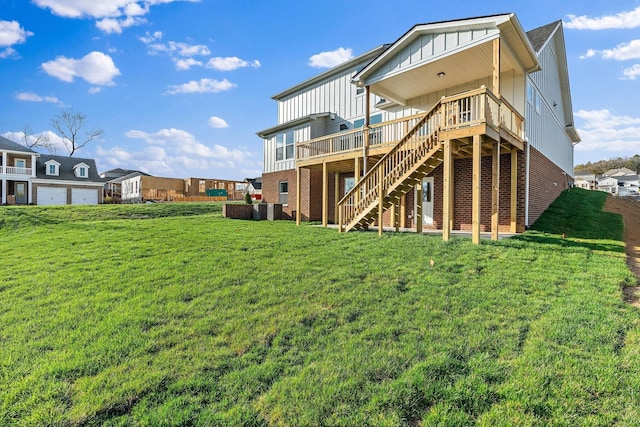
column 467, row 109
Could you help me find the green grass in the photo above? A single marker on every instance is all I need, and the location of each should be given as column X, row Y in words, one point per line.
column 173, row 315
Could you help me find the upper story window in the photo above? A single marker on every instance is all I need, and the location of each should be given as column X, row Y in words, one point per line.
column 81, row 170
column 52, row 168
column 284, row 145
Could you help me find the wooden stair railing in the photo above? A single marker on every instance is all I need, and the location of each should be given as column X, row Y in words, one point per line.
column 395, row 174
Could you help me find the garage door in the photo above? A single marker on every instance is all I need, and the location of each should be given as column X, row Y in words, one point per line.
column 84, row 196
column 51, row 196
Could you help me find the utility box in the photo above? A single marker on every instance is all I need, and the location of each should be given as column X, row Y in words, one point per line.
column 259, row 211
column 274, row 211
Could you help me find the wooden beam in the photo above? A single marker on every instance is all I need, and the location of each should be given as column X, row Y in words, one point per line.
column 336, row 196
column 419, row 207
column 393, row 214
column 298, row 196
column 475, row 192
column 447, row 191
column 396, row 215
column 496, row 68
column 514, row 191
column 380, row 205
column 495, row 191
column 403, row 211
column 356, row 174
column 325, row 195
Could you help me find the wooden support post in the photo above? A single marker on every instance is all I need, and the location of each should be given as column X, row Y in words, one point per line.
column 496, row 67
column 393, row 215
column 514, row 190
column 447, row 191
column 419, row 207
column 336, row 196
column 396, row 215
column 380, row 204
column 495, row 191
column 475, row 192
column 298, row 196
column 403, row 211
column 325, row 194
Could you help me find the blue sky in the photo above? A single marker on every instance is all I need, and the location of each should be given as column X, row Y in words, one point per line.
column 181, row 87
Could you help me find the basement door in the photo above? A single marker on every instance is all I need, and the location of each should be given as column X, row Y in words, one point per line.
column 427, row 200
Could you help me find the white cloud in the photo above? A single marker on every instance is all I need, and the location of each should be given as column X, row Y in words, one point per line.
column 180, row 53
column 202, row 86
column 620, row 20
column 111, row 15
column 632, row 72
column 231, row 63
column 95, row 67
column 177, row 153
column 12, row 33
column 622, row 52
column 7, row 53
column 331, row 58
column 33, row 97
column 217, row 122
column 605, row 132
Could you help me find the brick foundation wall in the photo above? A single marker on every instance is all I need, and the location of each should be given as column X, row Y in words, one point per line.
column 237, row 211
column 546, row 182
column 311, row 187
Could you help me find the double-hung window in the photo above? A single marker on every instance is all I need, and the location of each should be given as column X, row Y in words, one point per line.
column 284, row 145
column 283, row 192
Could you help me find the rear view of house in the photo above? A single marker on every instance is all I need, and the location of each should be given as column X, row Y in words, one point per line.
column 457, row 125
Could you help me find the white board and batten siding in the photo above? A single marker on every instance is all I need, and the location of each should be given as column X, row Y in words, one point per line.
column 431, row 47
column 545, row 121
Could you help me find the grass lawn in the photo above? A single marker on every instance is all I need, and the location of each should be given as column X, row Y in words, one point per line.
column 172, row 315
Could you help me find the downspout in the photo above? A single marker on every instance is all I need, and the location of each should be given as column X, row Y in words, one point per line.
column 365, row 143
column 526, row 187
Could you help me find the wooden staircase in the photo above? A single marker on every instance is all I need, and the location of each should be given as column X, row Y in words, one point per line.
column 417, row 154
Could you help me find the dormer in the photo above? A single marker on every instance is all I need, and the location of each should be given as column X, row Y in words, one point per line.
column 81, row 170
column 52, row 168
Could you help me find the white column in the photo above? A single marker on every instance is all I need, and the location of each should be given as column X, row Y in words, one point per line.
column 33, row 166
column 4, row 190
column 4, row 162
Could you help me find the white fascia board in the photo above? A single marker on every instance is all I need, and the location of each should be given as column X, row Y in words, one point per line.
column 68, row 183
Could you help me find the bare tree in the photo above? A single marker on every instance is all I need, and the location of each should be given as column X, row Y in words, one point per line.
column 30, row 140
column 68, row 126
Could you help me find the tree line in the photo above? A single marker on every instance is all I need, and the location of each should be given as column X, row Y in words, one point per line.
column 601, row 166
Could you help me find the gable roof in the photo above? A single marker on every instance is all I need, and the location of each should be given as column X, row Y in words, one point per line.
column 507, row 24
column 66, row 168
column 9, row 145
column 127, row 176
column 539, row 36
column 256, row 183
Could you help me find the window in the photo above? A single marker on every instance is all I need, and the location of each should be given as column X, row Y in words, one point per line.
column 82, row 172
column 284, row 145
column 201, row 186
column 358, row 123
column 52, row 168
column 538, row 102
column 21, row 163
column 359, row 91
column 283, row 196
column 530, row 96
column 349, row 183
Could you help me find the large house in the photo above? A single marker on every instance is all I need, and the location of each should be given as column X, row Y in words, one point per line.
column 620, row 182
column 32, row 178
column 457, row 125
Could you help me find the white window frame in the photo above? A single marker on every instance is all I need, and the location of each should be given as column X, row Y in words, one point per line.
column 283, row 196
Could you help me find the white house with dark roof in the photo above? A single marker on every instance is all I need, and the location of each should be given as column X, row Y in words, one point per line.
column 457, row 125
column 28, row 177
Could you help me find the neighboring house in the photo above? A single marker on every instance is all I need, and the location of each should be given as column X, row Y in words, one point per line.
column 457, row 125
column 64, row 180
column 32, row 178
column 113, row 181
column 17, row 170
column 588, row 181
column 139, row 187
column 199, row 187
column 254, row 188
column 621, row 182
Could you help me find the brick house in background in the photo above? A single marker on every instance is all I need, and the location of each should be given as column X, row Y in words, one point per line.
column 457, row 125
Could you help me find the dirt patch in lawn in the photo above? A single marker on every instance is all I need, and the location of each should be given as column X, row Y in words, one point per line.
column 630, row 211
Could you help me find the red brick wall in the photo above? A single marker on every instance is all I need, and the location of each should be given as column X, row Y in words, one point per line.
column 311, row 187
column 237, row 211
column 546, row 182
